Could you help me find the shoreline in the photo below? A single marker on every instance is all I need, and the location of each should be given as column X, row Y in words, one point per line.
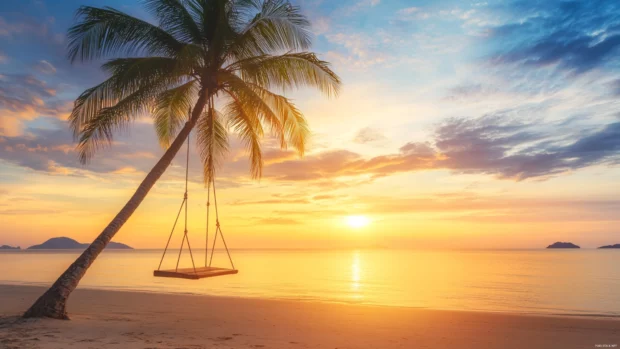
column 128, row 319
column 44, row 286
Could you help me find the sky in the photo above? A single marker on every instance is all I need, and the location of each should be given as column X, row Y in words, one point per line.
column 460, row 125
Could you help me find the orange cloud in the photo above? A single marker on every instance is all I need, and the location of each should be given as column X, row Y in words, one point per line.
column 138, row 155
column 126, row 170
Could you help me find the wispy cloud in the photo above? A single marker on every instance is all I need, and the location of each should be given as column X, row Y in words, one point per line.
column 496, row 144
column 577, row 36
column 24, row 98
column 45, row 67
column 369, row 135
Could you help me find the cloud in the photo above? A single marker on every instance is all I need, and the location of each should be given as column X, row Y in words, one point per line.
column 51, row 150
column 409, row 14
column 327, row 197
column 471, row 92
column 277, row 221
column 20, row 26
column 361, row 5
column 45, row 67
column 275, row 155
column 615, row 87
column 574, row 35
column 126, row 170
column 25, row 98
column 409, row 10
column 362, row 50
column 495, row 144
column 368, row 135
column 494, row 209
column 138, row 155
column 320, row 25
column 31, row 212
column 276, row 201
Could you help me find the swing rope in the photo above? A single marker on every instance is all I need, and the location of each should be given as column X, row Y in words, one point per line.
column 218, row 228
column 184, row 204
column 207, row 229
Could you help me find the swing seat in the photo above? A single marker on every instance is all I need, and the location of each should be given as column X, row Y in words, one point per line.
column 194, row 274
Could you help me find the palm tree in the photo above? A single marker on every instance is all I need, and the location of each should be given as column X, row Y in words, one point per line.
column 226, row 61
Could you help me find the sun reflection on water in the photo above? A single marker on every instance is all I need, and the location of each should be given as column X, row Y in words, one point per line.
column 356, row 275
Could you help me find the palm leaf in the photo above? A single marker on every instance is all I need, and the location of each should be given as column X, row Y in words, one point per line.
column 104, row 32
column 249, row 130
column 175, row 18
column 212, row 140
column 290, row 70
column 253, row 104
column 294, row 125
column 170, row 110
column 127, row 76
column 99, row 131
column 275, row 26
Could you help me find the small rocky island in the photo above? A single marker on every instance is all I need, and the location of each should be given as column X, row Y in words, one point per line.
column 563, row 245
column 64, row 243
column 7, row 247
column 610, row 246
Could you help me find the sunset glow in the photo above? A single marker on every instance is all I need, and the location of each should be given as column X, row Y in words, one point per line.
column 357, row 221
column 454, row 130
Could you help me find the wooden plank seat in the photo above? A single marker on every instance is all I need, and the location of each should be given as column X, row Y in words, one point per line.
column 194, row 274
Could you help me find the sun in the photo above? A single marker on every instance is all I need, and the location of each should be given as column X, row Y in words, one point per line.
column 357, row 221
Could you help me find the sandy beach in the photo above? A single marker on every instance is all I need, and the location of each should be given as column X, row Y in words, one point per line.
column 119, row 319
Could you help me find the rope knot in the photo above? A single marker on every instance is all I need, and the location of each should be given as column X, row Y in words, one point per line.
column 208, row 204
column 185, row 195
column 217, row 223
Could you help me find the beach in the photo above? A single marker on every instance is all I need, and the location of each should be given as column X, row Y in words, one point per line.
column 125, row 319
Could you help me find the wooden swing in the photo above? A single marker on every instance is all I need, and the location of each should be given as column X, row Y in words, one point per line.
column 196, row 273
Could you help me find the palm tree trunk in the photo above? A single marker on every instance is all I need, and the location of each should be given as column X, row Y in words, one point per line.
column 52, row 303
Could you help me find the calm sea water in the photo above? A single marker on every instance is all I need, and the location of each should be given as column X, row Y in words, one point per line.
column 541, row 281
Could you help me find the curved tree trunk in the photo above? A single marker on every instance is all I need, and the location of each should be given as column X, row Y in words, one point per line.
column 52, row 303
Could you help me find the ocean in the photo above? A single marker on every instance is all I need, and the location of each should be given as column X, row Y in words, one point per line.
column 578, row 282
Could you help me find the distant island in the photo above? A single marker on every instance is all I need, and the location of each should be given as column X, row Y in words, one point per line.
column 563, row 245
column 64, row 243
column 7, row 247
column 611, row 246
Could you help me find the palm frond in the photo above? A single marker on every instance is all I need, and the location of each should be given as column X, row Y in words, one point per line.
column 127, row 76
column 170, row 110
column 290, row 70
column 99, row 131
column 253, row 104
column 212, row 140
column 104, row 32
column 249, row 130
column 174, row 17
column 274, row 26
column 131, row 73
column 90, row 102
column 294, row 125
